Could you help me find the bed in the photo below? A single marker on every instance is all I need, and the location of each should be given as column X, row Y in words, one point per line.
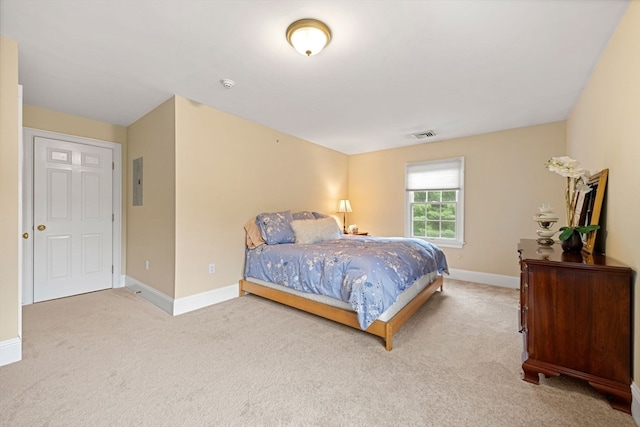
column 370, row 283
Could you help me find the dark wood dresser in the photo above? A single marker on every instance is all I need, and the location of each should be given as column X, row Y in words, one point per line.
column 575, row 319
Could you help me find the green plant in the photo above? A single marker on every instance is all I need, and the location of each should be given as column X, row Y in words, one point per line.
column 566, row 232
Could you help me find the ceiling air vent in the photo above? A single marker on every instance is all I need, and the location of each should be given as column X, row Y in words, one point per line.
column 425, row 134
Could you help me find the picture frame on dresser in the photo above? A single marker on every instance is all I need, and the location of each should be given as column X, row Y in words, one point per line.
column 589, row 208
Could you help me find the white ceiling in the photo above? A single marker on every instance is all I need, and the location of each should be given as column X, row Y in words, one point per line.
column 393, row 68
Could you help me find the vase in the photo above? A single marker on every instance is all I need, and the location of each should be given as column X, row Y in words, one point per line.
column 573, row 244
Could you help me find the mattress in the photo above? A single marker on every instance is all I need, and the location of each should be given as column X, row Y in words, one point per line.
column 403, row 299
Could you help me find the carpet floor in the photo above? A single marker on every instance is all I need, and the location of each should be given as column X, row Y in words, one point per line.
column 110, row 358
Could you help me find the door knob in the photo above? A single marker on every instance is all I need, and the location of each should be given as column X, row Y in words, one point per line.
column 25, row 235
column 42, row 227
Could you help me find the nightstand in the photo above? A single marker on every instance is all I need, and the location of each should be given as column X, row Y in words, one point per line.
column 360, row 233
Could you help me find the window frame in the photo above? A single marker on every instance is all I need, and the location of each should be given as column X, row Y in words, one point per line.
column 458, row 241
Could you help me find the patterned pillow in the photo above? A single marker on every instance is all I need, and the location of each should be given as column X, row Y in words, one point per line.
column 303, row 215
column 318, row 215
column 316, row 230
column 276, row 227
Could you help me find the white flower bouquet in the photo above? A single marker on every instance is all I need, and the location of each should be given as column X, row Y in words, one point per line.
column 577, row 179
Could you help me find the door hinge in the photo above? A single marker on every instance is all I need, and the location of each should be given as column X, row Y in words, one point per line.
column 112, row 269
column 113, row 165
column 113, row 217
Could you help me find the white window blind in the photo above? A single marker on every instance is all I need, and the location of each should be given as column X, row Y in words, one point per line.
column 435, row 175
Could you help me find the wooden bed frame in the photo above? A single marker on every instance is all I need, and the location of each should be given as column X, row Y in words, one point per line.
column 384, row 330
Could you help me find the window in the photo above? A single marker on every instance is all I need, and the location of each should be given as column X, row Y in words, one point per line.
column 435, row 201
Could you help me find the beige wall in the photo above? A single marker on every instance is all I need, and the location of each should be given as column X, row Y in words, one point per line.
column 206, row 173
column 151, row 227
column 505, row 182
column 9, row 194
column 54, row 121
column 603, row 131
column 229, row 170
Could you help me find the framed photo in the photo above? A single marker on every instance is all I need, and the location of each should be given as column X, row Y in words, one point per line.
column 589, row 207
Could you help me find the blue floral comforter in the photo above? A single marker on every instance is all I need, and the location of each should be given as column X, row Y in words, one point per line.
column 367, row 272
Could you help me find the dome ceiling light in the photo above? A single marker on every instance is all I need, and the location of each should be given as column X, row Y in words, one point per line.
column 308, row 36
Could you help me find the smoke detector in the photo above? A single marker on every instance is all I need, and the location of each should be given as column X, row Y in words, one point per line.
column 425, row 134
column 227, row 83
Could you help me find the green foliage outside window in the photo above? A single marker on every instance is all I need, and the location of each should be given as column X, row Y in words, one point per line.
column 433, row 214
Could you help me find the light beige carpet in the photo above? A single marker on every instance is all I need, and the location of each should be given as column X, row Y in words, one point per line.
column 111, row 358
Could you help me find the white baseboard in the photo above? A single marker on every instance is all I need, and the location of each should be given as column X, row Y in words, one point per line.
column 635, row 403
column 485, row 278
column 182, row 305
column 151, row 294
column 205, row 299
column 10, row 351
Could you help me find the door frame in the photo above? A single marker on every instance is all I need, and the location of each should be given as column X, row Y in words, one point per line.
column 29, row 134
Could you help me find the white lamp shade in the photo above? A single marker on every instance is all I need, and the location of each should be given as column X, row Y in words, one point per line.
column 344, row 206
column 308, row 41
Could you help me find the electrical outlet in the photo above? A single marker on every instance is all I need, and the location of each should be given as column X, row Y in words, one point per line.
column 212, row 268
column 146, row 265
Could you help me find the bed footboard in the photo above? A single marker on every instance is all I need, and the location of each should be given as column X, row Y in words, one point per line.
column 384, row 330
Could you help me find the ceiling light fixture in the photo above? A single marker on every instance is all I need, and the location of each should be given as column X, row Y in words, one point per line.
column 308, row 36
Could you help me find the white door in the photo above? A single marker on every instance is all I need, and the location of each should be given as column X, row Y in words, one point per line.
column 72, row 218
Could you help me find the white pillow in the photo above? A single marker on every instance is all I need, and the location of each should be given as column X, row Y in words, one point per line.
column 315, row 230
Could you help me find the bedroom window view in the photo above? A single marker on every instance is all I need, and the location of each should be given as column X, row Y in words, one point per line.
column 435, row 196
column 434, row 214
